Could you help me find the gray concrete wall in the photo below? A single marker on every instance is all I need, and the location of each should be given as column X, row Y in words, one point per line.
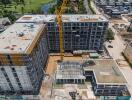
column 77, row 36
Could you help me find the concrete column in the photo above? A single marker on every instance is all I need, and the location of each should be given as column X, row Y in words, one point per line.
column 74, row 81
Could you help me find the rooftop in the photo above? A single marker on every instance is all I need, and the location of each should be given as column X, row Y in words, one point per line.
column 112, row 2
column 20, row 38
column 106, row 71
column 128, row 17
column 65, row 18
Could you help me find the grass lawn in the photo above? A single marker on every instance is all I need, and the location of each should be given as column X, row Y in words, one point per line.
column 30, row 5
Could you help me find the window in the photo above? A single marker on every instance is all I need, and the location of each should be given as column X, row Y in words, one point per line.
column 99, row 91
column 10, row 60
column 13, row 69
column 15, row 74
column 2, row 69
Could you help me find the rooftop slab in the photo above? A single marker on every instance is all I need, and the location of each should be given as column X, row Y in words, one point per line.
column 106, row 71
column 20, row 38
column 65, row 18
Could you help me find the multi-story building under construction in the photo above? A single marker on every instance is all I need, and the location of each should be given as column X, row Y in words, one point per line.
column 80, row 32
column 23, row 55
column 25, row 46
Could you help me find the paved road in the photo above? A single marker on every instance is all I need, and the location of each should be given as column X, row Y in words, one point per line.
column 115, row 52
column 118, row 47
column 94, row 7
column 85, row 2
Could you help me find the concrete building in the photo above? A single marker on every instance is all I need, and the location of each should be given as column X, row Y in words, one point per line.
column 106, row 77
column 69, row 72
column 80, row 32
column 104, row 74
column 114, row 8
column 23, row 55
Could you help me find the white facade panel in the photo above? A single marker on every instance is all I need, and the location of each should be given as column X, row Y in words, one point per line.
column 23, row 77
column 12, row 78
column 3, row 82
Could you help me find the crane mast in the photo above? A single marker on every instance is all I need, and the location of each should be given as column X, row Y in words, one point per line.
column 59, row 11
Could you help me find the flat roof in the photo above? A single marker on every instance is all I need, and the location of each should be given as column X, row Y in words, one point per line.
column 106, row 71
column 20, row 38
column 65, row 18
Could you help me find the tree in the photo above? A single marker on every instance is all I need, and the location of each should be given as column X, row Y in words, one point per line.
column 16, row 1
column 52, row 10
column 22, row 1
column 110, row 35
column 9, row 14
column 22, row 10
column 5, row 2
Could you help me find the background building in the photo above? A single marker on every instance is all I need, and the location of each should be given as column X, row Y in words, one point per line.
column 114, row 8
column 23, row 55
column 80, row 32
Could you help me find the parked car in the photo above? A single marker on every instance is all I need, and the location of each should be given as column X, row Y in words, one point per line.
column 110, row 46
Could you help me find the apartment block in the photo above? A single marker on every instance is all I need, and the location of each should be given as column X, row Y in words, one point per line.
column 80, row 32
column 23, row 55
column 114, row 8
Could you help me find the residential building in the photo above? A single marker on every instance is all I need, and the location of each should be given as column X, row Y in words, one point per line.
column 80, row 32
column 23, row 56
column 114, row 8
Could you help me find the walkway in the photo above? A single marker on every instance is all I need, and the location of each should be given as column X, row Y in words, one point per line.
column 85, row 2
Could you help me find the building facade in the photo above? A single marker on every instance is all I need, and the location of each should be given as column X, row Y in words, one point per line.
column 80, row 32
column 23, row 55
column 114, row 8
column 78, row 35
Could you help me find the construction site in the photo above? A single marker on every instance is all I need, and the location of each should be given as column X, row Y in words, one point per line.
column 81, row 78
column 56, row 57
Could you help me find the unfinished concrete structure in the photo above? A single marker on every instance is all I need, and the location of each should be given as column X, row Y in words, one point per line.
column 106, row 77
column 69, row 72
column 23, row 55
column 104, row 74
column 80, row 32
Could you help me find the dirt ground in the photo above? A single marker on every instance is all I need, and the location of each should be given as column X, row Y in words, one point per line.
column 51, row 66
column 45, row 91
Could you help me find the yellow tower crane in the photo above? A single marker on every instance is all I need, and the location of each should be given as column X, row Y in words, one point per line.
column 59, row 11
